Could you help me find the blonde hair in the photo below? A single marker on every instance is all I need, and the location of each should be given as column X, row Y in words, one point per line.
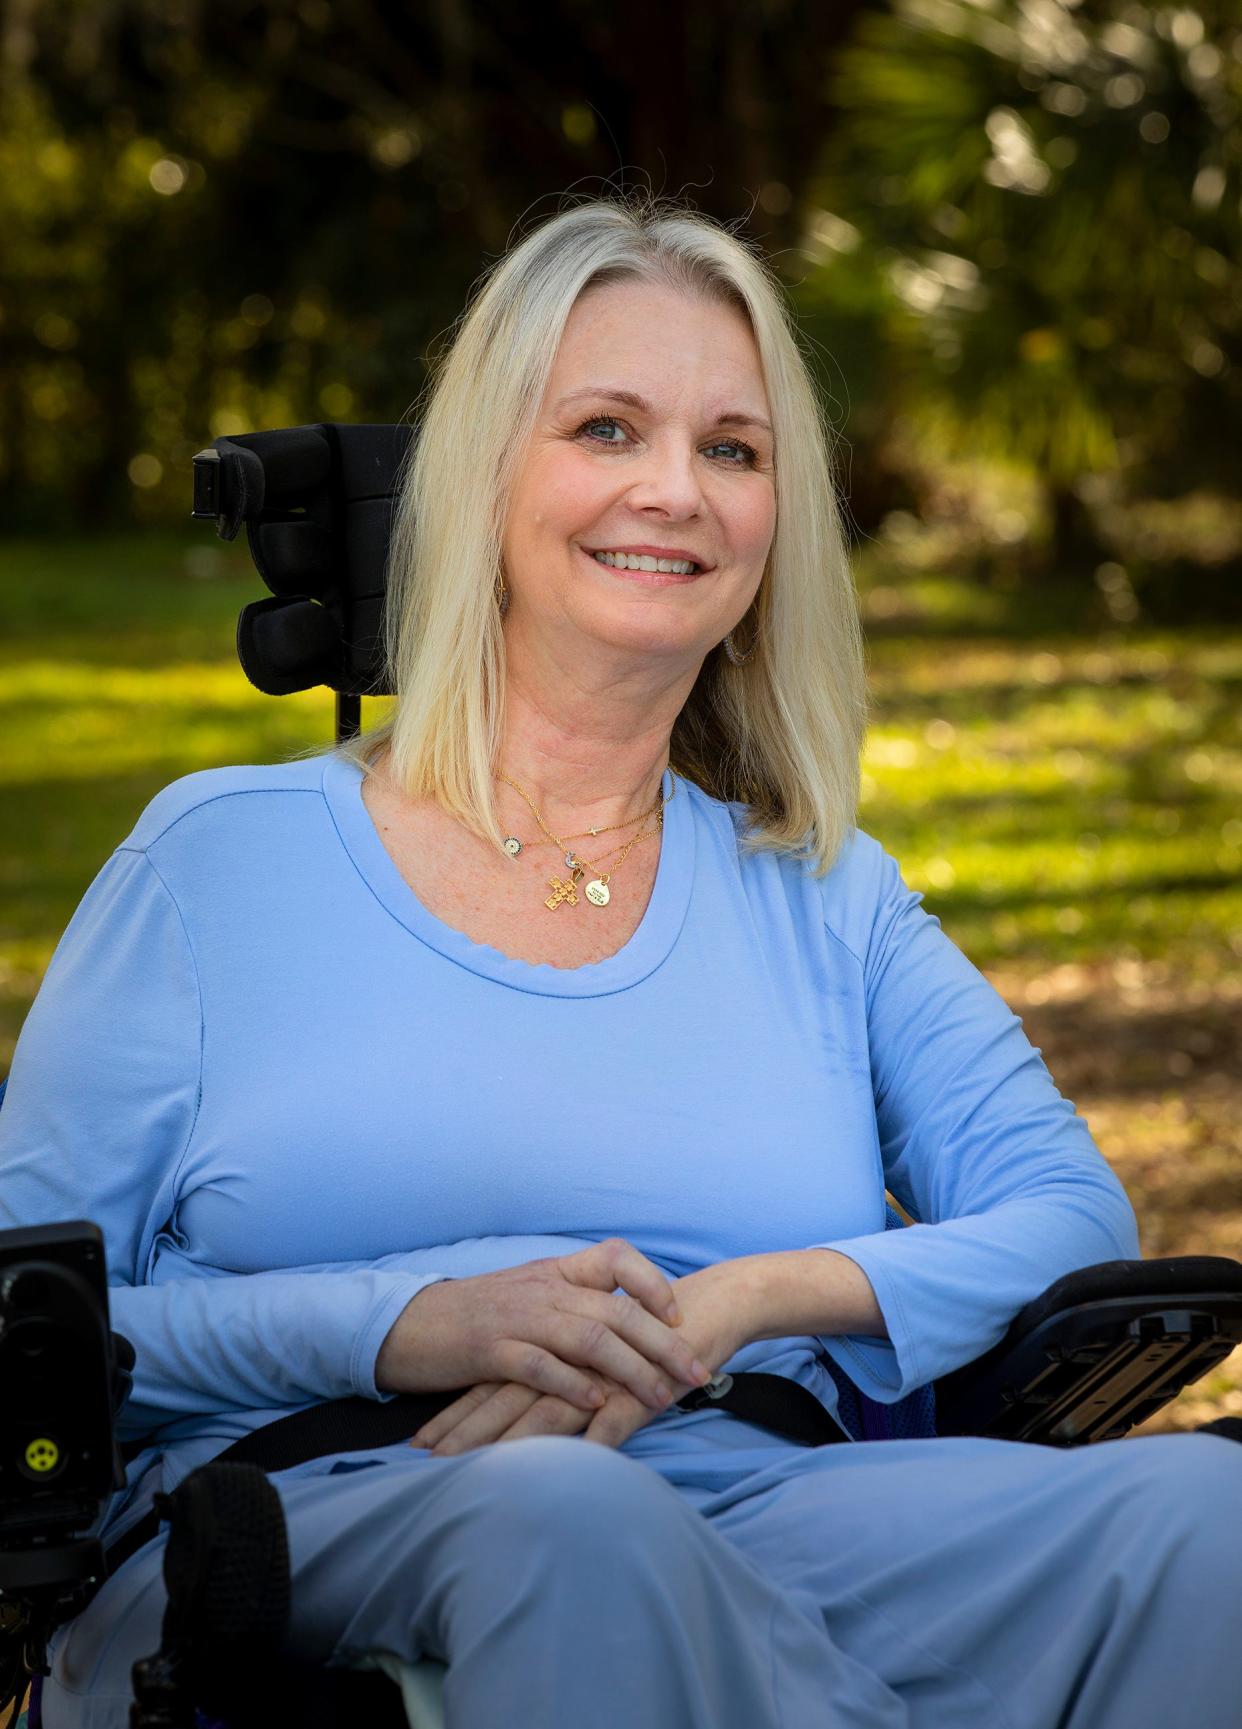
column 783, row 734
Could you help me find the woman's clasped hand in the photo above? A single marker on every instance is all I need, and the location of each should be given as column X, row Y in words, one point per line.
column 597, row 1341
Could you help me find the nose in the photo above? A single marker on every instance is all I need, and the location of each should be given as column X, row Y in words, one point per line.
column 669, row 483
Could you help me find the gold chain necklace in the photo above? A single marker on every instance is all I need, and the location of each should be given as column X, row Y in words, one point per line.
column 513, row 846
column 565, row 893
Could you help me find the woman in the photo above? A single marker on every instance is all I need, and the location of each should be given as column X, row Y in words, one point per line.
column 572, row 992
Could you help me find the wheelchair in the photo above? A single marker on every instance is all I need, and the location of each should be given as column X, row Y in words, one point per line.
column 1096, row 1354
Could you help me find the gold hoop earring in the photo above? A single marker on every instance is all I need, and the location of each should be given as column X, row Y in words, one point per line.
column 502, row 596
column 734, row 656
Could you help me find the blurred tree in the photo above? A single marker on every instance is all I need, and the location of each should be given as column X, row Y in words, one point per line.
column 218, row 216
column 1034, row 206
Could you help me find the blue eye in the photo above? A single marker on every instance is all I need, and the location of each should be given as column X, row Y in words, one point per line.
column 602, row 420
column 745, row 451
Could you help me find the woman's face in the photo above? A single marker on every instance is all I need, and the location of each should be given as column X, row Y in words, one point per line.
column 653, row 438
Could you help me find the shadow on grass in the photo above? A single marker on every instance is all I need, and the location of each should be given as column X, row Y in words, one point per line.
column 955, row 904
column 1093, row 1047
column 1078, row 808
column 961, row 599
column 997, row 699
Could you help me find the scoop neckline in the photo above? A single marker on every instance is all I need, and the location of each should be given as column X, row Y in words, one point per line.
column 648, row 947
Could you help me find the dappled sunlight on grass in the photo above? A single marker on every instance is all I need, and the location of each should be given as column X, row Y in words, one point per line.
column 1075, row 801
column 188, row 716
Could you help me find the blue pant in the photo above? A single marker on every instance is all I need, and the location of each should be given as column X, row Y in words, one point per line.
column 720, row 1578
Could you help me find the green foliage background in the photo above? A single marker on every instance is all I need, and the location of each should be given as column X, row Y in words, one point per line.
column 1012, row 232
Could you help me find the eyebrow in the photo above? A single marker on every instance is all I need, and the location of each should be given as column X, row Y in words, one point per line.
column 611, row 393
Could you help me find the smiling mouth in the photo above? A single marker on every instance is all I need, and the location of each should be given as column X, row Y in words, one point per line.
column 644, row 574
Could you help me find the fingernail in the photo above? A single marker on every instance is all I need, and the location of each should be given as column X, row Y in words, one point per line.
column 700, row 1373
column 674, row 1315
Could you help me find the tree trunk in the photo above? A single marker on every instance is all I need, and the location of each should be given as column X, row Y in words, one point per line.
column 1074, row 547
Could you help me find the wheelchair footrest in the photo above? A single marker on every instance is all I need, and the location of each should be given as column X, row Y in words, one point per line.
column 1087, row 1363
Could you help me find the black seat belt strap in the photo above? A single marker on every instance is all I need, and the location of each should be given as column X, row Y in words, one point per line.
column 774, row 1402
column 357, row 1425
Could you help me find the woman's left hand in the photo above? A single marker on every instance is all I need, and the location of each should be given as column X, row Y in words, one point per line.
column 713, row 1304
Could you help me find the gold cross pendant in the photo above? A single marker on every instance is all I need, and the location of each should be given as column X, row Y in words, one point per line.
column 562, row 891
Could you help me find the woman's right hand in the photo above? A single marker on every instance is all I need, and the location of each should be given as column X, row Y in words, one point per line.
column 607, row 1308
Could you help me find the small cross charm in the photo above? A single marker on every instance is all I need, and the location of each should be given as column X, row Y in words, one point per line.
column 561, row 891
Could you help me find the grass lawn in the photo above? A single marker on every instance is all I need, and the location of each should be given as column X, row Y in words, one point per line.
column 1067, row 795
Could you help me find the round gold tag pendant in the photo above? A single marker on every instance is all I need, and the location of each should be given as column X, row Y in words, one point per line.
column 597, row 893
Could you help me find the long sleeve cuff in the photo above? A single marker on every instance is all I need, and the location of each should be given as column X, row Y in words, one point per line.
column 885, row 1369
column 388, row 1306
column 949, row 1291
column 256, row 1341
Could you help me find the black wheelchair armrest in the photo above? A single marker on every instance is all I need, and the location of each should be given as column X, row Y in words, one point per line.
column 1098, row 1352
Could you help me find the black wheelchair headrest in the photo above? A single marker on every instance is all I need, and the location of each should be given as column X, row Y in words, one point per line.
column 317, row 502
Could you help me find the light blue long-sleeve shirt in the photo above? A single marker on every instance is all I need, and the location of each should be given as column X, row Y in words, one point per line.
column 291, row 1098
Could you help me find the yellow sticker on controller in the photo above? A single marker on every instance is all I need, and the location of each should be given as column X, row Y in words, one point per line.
column 42, row 1455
